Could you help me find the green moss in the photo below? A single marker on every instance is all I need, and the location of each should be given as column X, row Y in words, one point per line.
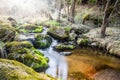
column 68, row 29
column 51, row 23
column 28, row 28
column 39, row 29
column 42, row 41
column 82, row 41
column 13, row 70
column 23, row 31
column 27, row 54
column 18, row 47
column 64, row 47
column 58, row 33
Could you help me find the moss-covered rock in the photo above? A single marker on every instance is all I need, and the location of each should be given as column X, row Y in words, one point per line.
column 68, row 29
column 27, row 54
column 80, row 29
column 42, row 41
column 28, row 28
column 39, row 29
column 82, row 41
column 7, row 32
column 51, row 23
column 58, row 33
column 13, row 70
column 64, row 47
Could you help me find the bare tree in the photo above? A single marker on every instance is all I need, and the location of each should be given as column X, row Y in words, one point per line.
column 72, row 11
column 59, row 10
column 107, row 12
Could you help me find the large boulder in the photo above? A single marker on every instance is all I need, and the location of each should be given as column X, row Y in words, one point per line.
column 42, row 41
column 7, row 32
column 30, row 28
column 80, row 29
column 58, row 33
column 13, row 70
column 27, row 54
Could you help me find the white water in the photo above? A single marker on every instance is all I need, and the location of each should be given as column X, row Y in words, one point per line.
column 57, row 64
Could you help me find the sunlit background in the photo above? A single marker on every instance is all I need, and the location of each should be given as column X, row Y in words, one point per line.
column 41, row 9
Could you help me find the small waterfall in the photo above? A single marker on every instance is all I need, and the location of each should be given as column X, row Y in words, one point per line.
column 57, row 64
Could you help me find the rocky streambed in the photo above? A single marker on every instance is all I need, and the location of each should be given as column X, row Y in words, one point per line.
column 50, row 45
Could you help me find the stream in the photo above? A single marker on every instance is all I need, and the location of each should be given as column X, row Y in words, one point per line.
column 56, row 61
column 82, row 63
column 57, row 64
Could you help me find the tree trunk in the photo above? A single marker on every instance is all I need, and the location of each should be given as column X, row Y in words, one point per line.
column 110, row 6
column 105, row 19
column 72, row 11
column 59, row 10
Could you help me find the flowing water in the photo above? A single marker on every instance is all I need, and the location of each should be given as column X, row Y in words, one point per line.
column 57, row 63
column 81, row 64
